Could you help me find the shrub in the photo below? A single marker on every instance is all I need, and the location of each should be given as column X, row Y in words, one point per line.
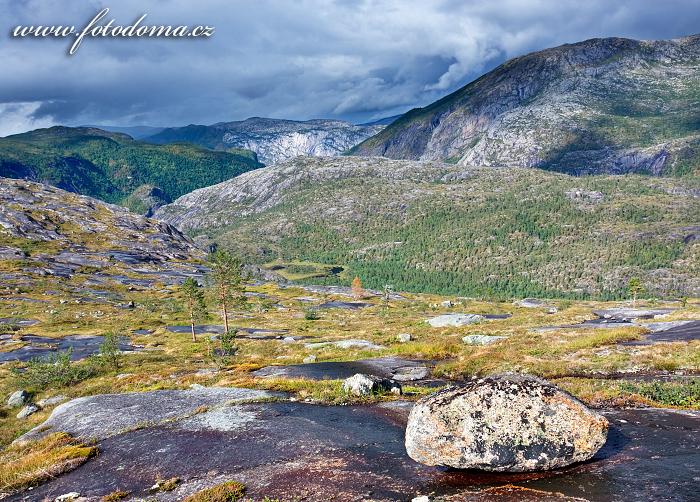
column 56, row 370
column 311, row 315
column 109, row 350
column 115, row 496
column 686, row 394
column 230, row 491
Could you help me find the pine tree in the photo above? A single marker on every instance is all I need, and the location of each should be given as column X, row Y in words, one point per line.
column 227, row 279
column 194, row 299
column 635, row 288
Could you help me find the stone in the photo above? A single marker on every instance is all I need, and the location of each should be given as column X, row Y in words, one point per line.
column 365, row 385
column 29, row 409
column 552, row 310
column 421, row 498
column 66, row 497
column 481, row 339
column 454, row 320
column 410, row 373
column 310, row 359
column 403, row 337
column 18, row 398
column 531, row 303
column 504, row 423
column 50, row 401
column 346, row 344
column 631, row 313
column 289, row 339
column 447, row 304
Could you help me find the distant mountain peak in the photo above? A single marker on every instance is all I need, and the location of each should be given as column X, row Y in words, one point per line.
column 274, row 140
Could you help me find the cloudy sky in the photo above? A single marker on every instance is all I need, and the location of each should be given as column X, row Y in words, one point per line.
column 356, row 60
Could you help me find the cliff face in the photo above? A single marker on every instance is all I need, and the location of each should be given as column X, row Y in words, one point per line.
column 601, row 106
column 274, row 140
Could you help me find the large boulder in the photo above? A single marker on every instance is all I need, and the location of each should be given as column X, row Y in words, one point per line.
column 365, row 385
column 507, row 423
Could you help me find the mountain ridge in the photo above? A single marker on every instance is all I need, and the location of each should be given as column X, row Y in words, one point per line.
column 602, row 105
column 112, row 166
column 443, row 228
column 273, row 140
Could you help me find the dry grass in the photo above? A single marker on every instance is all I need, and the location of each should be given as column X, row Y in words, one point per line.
column 115, row 496
column 29, row 464
column 230, row 491
column 171, row 360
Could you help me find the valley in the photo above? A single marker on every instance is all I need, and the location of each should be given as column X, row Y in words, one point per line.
column 294, row 346
column 430, row 226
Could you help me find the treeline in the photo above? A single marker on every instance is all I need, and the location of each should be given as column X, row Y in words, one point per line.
column 524, row 241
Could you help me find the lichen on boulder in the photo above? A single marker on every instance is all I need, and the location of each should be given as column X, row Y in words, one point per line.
column 506, row 423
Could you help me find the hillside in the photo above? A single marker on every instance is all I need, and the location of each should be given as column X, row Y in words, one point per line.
column 273, row 140
column 608, row 105
column 430, row 226
column 111, row 166
column 48, row 234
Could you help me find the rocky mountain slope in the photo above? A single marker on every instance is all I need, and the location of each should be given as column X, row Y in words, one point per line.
column 111, row 166
column 273, row 140
column 608, row 105
column 431, row 226
column 46, row 232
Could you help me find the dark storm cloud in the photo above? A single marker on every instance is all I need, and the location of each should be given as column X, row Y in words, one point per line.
column 355, row 60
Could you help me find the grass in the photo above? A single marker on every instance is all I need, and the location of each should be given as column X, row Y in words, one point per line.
column 115, row 496
column 166, row 485
column 620, row 393
column 170, row 360
column 29, row 464
column 230, row 491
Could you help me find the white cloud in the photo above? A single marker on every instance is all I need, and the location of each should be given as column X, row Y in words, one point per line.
column 312, row 58
column 17, row 117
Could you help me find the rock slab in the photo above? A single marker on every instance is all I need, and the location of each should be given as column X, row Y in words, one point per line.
column 505, row 423
column 454, row 320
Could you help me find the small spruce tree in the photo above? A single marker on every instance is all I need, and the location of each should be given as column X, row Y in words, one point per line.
column 635, row 288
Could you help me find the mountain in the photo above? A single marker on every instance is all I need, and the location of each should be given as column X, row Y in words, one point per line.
column 111, row 166
column 136, row 132
column 445, row 228
column 274, row 140
column 608, row 105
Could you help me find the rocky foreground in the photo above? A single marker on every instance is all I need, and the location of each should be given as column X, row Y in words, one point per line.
column 293, row 450
column 316, row 401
